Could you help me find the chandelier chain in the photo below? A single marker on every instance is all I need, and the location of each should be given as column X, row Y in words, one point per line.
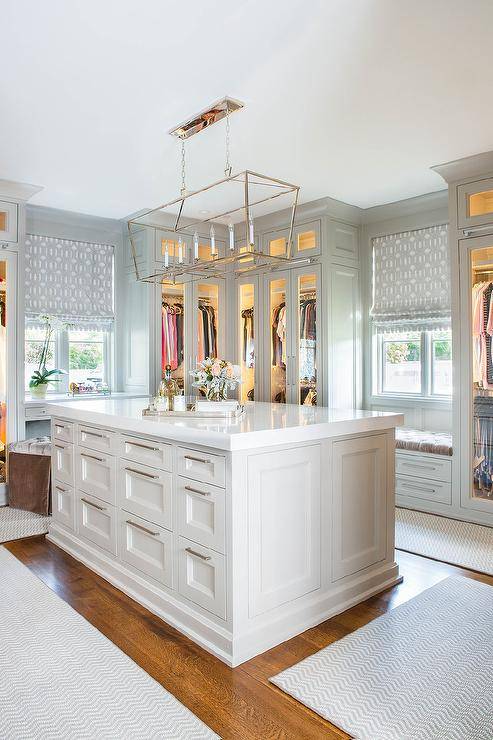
column 228, row 168
column 183, row 183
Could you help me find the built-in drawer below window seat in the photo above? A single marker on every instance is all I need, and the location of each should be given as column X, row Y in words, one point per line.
column 423, row 468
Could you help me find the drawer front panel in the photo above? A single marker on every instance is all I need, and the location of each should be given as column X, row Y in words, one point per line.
column 146, row 547
column 63, row 431
column 202, row 466
column 429, row 490
column 423, row 467
column 202, row 576
column 146, row 492
column 95, row 439
column 36, row 412
column 96, row 522
column 201, row 513
column 63, row 505
column 63, row 462
column 96, row 475
column 147, row 452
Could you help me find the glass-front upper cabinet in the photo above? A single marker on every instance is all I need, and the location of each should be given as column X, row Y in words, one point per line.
column 173, row 336
column 8, row 222
column 293, row 317
column 306, row 240
column 475, row 203
column 247, row 336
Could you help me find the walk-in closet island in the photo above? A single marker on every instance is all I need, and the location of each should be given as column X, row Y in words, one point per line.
column 240, row 534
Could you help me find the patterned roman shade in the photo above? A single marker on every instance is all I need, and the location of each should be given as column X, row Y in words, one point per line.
column 69, row 279
column 411, row 280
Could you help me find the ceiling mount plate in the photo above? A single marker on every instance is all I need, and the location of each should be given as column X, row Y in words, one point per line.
column 212, row 114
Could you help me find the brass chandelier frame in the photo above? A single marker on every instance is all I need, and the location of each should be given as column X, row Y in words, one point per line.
column 235, row 262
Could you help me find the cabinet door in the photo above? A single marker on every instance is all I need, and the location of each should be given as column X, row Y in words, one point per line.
column 247, row 349
column 283, row 526
column 147, row 548
column 173, row 337
column 146, row 492
column 62, row 505
column 275, row 243
column 277, row 378
column 8, row 221
column 307, row 239
column 359, row 499
column 63, row 462
column 304, row 372
column 343, row 242
column 140, row 238
column 208, row 319
column 96, row 475
column 475, row 203
column 344, row 333
column 177, row 247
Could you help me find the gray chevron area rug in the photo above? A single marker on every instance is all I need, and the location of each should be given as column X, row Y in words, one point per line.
column 448, row 540
column 423, row 671
column 61, row 679
column 16, row 524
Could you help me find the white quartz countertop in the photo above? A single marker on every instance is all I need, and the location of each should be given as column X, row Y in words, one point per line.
column 262, row 424
column 52, row 398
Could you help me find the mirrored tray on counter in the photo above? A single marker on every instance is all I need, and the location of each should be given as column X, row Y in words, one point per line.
column 190, row 413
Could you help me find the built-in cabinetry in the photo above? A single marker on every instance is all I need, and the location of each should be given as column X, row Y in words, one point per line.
column 239, row 548
column 471, row 241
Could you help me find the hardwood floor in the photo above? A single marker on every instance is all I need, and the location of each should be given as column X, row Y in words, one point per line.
column 237, row 703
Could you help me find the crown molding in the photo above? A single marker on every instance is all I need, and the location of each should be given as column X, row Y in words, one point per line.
column 20, row 191
column 467, row 167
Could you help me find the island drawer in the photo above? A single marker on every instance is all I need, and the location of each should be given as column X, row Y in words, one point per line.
column 202, row 576
column 429, row 490
column 63, row 431
column 95, row 439
column 63, row 462
column 146, row 451
column 424, row 466
column 97, row 522
column 203, row 466
column 63, row 505
column 96, row 474
column 147, row 548
column 201, row 513
column 146, row 492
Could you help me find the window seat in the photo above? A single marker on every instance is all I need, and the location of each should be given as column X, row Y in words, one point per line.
column 417, row 440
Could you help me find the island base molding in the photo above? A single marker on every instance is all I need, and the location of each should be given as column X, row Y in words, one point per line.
column 313, row 609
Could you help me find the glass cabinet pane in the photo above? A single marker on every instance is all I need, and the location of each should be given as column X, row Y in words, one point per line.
column 279, row 338
column 306, row 240
column 173, row 330
column 480, row 204
column 307, row 337
column 277, row 247
column 3, row 221
column 207, row 320
column 482, row 372
column 3, row 371
column 247, row 341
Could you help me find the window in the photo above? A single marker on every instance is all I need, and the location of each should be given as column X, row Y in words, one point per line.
column 414, row 363
column 83, row 353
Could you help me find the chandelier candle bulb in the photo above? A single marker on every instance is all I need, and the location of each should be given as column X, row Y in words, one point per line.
column 196, row 246
column 166, row 255
column 213, row 242
column 231, row 237
column 251, row 239
column 180, row 250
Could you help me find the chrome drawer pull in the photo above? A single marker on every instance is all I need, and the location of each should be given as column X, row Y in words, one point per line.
column 196, row 490
column 94, row 434
column 59, row 488
column 419, row 488
column 141, row 472
column 145, row 447
column 100, row 508
column 57, row 426
column 197, row 554
column 92, row 457
column 144, row 529
column 197, row 459
column 426, row 466
column 59, row 447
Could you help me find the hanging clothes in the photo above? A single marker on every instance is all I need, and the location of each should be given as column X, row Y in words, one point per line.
column 279, row 348
column 482, row 329
column 207, row 332
column 248, row 338
column 172, row 335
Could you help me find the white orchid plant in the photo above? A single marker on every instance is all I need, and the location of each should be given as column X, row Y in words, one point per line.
column 42, row 375
column 215, row 376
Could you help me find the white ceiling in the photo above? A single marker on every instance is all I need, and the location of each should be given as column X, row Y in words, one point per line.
column 355, row 99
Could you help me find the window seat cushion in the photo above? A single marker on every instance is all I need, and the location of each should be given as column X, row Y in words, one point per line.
column 416, row 440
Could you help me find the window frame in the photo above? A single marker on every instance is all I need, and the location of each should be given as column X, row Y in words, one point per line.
column 62, row 356
column 426, row 358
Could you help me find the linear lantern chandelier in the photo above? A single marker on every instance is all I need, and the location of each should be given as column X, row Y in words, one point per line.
column 213, row 228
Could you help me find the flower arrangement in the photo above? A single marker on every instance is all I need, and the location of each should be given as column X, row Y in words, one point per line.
column 215, row 376
column 42, row 376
